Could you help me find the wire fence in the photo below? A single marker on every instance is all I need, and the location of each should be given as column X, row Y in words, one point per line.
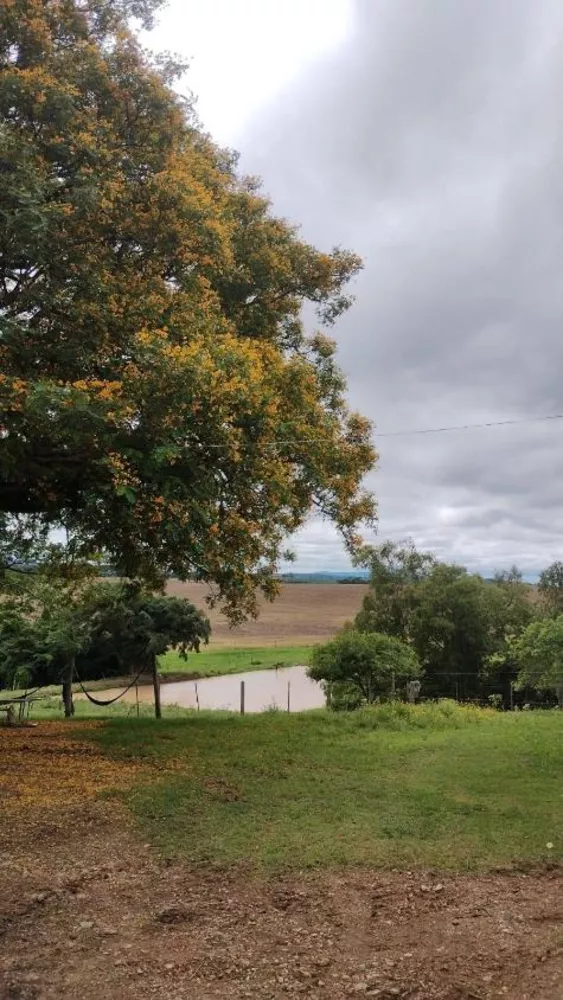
column 464, row 687
column 289, row 689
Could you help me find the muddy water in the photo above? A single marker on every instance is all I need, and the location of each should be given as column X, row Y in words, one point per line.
column 264, row 689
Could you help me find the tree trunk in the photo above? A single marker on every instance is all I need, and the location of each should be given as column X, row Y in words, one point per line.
column 559, row 693
column 156, row 686
column 68, row 700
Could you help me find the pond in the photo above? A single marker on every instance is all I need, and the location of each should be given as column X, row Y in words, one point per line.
column 264, row 689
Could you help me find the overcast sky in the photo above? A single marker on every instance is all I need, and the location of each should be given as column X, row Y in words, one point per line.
column 427, row 135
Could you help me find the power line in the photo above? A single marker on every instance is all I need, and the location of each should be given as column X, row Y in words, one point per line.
column 469, row 427
column 403, row 433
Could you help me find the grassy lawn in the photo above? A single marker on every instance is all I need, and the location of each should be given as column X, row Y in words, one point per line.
column 50, row 708
column 211, row 662
column 441, row 787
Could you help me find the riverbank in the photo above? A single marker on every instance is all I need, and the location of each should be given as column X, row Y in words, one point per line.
column 207, row 663
column 218, row 662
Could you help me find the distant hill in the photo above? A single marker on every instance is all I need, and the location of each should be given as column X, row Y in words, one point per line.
column 326, row 576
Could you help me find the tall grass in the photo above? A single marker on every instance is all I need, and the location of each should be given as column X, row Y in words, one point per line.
column 397, row 715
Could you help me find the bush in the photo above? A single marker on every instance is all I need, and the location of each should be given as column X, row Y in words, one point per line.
column 342, row 697
column 371, row 665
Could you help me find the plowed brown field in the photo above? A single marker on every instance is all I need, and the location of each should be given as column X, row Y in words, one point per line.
column 303, row 613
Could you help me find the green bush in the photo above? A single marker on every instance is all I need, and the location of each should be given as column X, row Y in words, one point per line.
column 372, row 665
column 342, row 697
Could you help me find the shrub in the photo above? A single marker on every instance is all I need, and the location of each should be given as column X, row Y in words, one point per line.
column 374, row 666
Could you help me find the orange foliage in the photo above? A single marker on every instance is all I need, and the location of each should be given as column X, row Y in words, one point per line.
column 55, row 765
column 160, row 390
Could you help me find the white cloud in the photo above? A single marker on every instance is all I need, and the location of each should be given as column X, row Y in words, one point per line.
column 242, row 53
column 428, row 137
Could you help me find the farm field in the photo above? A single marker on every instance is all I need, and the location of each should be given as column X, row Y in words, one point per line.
column 411, row 852
column 304, row 614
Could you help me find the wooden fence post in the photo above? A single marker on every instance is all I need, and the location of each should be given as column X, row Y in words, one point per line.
column 156, row 686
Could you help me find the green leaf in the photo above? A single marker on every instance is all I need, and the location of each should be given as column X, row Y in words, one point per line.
column 128, row 492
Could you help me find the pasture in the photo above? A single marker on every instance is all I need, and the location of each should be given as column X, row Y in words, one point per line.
column 442, row 786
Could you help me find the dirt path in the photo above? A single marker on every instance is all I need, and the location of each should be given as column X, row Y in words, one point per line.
column 86, row 911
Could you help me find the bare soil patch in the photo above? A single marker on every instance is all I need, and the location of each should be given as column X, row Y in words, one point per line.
column 87, row 912
column 91, row 914
column 303, row 613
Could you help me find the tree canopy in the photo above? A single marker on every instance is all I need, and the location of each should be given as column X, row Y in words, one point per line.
column 550, row 587
column 457, row 622
column 159, row 395
column 538, row 652
column 129, row 627
column 42, row 631
column 395, row 570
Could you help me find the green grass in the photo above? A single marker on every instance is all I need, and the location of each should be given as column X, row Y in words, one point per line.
column 212, row 662
column 437, row 786
column 50, row 708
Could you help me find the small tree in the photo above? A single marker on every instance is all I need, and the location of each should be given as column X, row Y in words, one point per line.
column 20, row 646
column 41, row 633
column 538, row 652
column 64, row 633
column 130, row 628
column 373, row 663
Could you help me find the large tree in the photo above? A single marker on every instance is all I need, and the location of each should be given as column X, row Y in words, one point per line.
column 159, row 395
column 396, row 570
column 538, row 652
column 550, row 588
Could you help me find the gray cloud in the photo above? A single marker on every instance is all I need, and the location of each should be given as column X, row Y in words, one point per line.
column 432, row 143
